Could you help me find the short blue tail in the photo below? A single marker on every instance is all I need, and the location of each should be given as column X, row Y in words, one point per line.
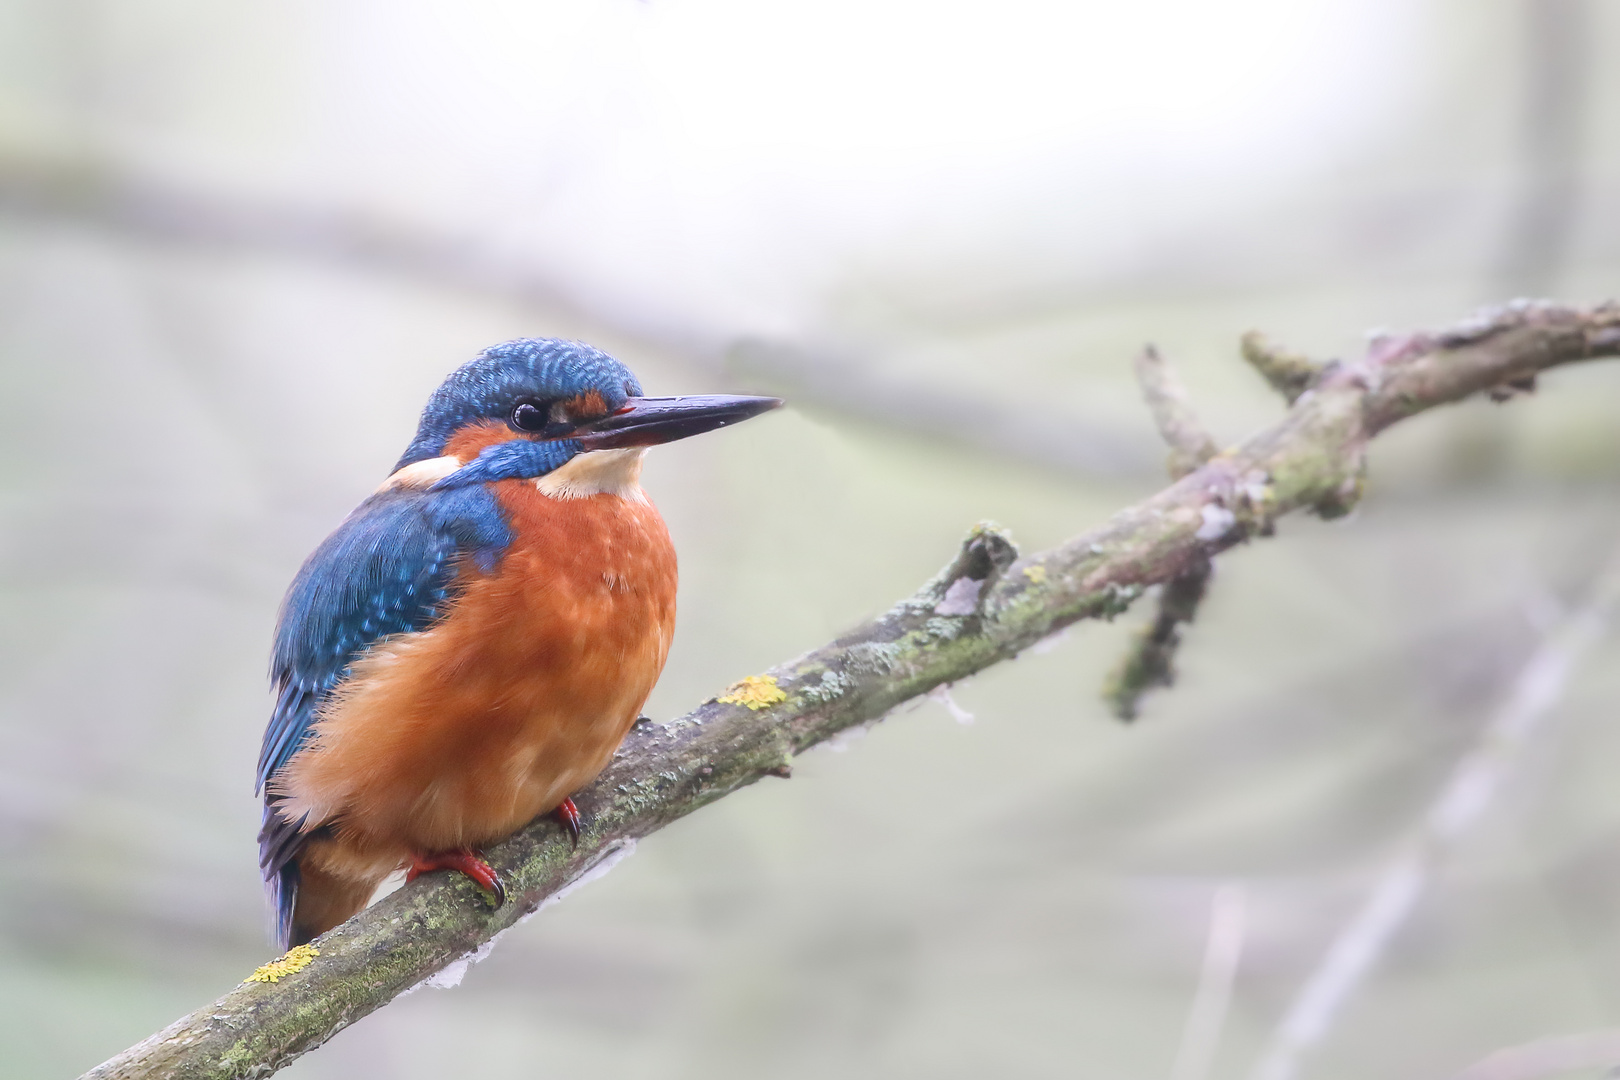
column 280, row 841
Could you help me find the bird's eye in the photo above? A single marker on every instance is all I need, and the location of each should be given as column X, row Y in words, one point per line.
column 530, row 416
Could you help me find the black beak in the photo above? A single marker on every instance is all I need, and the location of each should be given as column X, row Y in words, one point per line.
column 648, row 421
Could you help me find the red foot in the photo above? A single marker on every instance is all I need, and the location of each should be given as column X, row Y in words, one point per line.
column 463, row 861
column 568, row 814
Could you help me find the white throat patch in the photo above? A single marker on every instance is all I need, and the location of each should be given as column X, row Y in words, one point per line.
column 597, row 472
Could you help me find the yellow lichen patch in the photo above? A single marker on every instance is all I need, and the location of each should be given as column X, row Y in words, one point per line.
column 756, row 692
column 297, row 959
column 1036, row 574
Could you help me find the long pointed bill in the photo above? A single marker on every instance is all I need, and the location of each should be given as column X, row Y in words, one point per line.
column 648, row 421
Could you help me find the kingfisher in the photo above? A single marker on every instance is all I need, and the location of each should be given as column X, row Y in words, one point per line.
column 472, row 643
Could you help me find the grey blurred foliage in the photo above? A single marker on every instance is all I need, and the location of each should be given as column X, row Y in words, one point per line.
column 239, row 244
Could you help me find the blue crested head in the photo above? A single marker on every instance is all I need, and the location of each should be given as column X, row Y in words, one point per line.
column 535, row 404
column 540, row 375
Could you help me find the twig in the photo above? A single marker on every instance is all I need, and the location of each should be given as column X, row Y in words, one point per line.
column 1553, row 1056
column 1227, row 927
column 1149, row 660
column 1289, row 373
column 1312, row 457
column 1364, row 939
column 1190, row 445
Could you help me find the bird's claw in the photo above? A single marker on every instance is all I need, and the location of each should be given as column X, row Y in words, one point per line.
column 464, row 861
column 568, row 814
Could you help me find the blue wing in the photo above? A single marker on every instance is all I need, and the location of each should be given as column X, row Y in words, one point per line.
column 389, row 569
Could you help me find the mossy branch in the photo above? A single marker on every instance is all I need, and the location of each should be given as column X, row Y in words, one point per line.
column 986, row 607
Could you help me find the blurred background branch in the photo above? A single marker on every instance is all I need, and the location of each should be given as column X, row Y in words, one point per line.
column 1555, row 46
column 1038, row 432
column 1228, row 918
column 114, row 197
column 1463, row 801
column 120, row 200
column 1555, row 1055
column 1558, row 47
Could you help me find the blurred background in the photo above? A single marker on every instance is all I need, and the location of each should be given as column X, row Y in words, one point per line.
column 240, row 243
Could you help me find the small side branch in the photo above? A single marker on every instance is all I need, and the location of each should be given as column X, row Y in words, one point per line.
column 1150, row 660
column 1289, row 373
column 1190, row 444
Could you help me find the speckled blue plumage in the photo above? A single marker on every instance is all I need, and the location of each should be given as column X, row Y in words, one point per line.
column 390, row 568
column 386, row 570
column 502, row 375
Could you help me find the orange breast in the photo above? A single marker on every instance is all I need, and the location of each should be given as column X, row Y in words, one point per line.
column 459, row 735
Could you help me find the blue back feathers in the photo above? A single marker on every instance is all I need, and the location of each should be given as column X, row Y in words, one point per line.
column 392, row 566
column 386, row 570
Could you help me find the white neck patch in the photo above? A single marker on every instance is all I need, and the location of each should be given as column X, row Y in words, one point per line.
column 597, row 472
column 423, row 473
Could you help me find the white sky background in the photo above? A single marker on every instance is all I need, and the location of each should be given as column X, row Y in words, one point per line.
column 719, row 165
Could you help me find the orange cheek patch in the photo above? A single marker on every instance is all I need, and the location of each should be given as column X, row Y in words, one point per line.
column 587, row 406
column 469, row 441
